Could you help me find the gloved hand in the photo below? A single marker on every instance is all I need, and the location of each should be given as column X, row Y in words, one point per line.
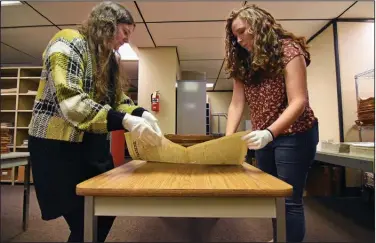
column 152, row 121
column 141, row 129
column 258, row 139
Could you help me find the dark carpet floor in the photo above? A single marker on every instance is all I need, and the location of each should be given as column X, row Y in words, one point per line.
column 327, row 220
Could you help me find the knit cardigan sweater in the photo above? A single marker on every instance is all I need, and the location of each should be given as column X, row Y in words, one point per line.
column 65, row 107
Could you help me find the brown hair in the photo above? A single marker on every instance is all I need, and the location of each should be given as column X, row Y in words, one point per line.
column 99, row 29
column 266, row 57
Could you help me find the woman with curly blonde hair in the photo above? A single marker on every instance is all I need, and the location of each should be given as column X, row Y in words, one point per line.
column 268, row 66
column 79, row 101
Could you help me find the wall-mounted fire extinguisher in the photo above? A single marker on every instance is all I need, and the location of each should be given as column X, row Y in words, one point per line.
column 155, row 101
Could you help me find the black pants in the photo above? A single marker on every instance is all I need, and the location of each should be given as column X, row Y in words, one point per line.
column 75, row 220
column 58, row 167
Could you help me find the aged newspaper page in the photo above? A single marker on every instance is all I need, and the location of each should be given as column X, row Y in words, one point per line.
column 225, row 150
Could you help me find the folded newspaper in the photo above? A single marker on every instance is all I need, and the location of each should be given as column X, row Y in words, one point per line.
column 225, row 150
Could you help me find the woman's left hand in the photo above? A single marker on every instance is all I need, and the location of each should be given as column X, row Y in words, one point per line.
column 152, row 121
column 258, row 139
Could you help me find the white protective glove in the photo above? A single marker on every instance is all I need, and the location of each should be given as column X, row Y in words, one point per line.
column 258, row 139
column 141, row 129
column 152, row 121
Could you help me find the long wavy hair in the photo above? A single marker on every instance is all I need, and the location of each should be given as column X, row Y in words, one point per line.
column 99, row 30
column 265, row 60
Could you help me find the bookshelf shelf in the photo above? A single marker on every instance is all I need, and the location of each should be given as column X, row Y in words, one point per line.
column 18, row 91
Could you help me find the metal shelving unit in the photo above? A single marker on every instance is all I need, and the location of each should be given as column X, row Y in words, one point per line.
column 368, row 76
column 208, row 120
column 219, row 115
column 367, row 180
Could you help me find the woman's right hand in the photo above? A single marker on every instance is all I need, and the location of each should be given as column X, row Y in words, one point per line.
column 141, row 129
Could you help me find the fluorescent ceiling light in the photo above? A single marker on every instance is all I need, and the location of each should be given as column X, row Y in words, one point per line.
column 208, row 85
column 127, row 53
column 9, row 3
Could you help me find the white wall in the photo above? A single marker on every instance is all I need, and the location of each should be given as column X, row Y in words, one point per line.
column 321, row 79
column 356, row 55
column 219, row 102
column 158, row 71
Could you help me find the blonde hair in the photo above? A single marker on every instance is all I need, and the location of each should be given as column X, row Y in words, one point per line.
column 99, row 29
column 266, row 57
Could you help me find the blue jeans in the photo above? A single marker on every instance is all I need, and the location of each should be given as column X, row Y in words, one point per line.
column 289, row 159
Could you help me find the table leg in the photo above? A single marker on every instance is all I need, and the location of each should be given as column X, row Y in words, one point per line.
column 281, row 219
column 90, row 222
column 26, row 199
column 13, row 175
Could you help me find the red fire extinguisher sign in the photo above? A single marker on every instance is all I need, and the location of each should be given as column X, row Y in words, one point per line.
column 155, row 101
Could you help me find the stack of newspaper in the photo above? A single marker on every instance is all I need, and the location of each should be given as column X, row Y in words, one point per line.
column 225, row 150
column 5, row 140
column 366, row 112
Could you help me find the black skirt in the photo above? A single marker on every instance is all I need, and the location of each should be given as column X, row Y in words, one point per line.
column 58, row 166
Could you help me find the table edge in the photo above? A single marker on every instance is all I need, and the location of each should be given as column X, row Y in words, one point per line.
column 83, row 190
column 183, row 193
column 347, row 155
column 9, row 155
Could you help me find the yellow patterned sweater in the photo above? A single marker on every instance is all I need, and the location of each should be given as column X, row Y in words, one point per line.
column 65, row 107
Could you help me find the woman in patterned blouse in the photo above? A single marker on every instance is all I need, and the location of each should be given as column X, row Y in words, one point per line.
column 268, row 66
column 79, row 101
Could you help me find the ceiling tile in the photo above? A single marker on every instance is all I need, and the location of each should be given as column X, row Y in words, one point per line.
column 303, row 27
column 177, row 31
column 12, row 56
column 223, row 74
column 200, row 49
column 78, row 11
column 187, row 11
column 139, row 38
column 21, row 15
column 303, row 9
column 211, row 81
column 194, row 40
column 68, row 26
column 32, row 40
column 210, row 68
column 361, row 10
column 224, row 84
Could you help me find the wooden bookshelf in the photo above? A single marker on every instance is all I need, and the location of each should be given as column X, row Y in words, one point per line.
column 16, row 108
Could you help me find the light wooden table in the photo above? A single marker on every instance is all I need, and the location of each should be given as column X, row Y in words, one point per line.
column 15, row 159
column 150, row 189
